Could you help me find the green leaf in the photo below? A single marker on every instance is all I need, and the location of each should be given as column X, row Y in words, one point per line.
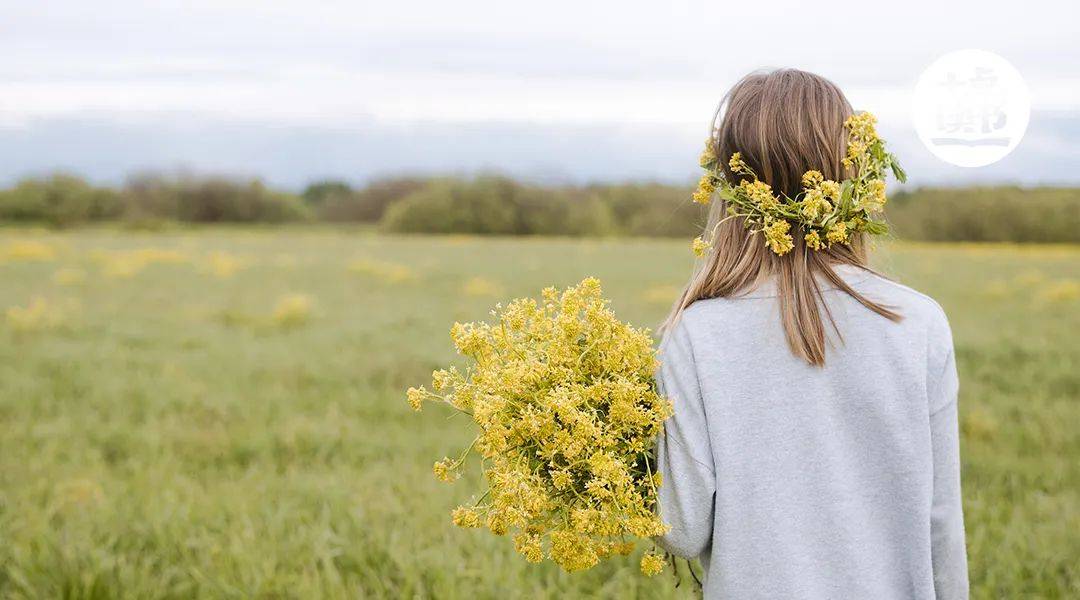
column 846, row 190
column 876, row 227
column 897, row 170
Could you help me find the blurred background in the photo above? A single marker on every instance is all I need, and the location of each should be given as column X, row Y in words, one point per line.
column 232, row 234
column 333, row 111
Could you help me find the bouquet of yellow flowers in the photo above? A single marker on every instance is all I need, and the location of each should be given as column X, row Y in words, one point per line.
column 566, row 409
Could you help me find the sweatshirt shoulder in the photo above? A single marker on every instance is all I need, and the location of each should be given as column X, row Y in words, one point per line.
column 914, row 306
column 735, row 320
column 728, row 315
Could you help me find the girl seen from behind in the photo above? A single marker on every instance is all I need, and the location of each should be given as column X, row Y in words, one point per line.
column 814, row 450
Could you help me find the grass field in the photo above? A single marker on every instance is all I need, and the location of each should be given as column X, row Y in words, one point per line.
column 220, row 413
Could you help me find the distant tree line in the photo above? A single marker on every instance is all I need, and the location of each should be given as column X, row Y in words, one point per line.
column 491, row 204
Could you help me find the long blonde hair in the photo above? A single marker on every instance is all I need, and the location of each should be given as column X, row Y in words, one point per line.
column 784, row 122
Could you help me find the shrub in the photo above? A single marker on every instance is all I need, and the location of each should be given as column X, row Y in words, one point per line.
column 486, row 205
column 554, row 211
column 653, row 209
column 59, row 200
column 316, row 193
column 151, row 197
column 987, row 214
column 212, row 199
column 497, row 205
column 336, row 201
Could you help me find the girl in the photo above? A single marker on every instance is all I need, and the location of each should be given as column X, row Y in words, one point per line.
column 814, row 449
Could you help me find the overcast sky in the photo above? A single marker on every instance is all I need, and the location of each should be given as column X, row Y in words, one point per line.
column 294, row 91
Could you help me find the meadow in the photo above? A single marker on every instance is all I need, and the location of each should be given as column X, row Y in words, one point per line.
column 220, row 412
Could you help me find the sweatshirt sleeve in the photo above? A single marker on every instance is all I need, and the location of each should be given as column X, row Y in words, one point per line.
column 684, row 458
column 946, row 513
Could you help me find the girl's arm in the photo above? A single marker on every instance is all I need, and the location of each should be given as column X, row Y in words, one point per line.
column 684, row 457
column 946, row 513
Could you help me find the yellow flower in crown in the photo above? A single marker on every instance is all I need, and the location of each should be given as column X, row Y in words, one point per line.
column 777, row 237
column 812, row 179
column 707, row 157
column 705, row 188
column 699, row 246
column 862, row 136
column 830, row 189
column 761, row 193
column 861, row 125
column 838, row 233
column 873, row 197
column 814, row 205
column 738, row 165
column 813, row 240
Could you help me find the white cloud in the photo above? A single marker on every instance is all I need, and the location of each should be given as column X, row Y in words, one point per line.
column 559, row 63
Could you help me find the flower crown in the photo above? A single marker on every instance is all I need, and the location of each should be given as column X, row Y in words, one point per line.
column 828, row 212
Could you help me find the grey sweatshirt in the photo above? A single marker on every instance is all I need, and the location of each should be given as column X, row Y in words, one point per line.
column 793, row 481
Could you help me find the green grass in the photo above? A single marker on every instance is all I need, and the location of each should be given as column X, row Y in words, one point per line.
column 164, row 434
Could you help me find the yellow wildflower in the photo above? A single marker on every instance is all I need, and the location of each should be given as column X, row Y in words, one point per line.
column 811, row 179
column 837, row 233
column 814, row 205
column 813, row 240
column 707, row 157
column 862, row 125
column 737, row 164
column 760, row 193
column 651, row 564
column 861, row 136
column 561, row 479
column 646, row 526
column 28, row 250
column 444, row 470
column 830, row 189
column 530, row 546
column 416, row 397
column 855, row 150
column 389, row 272
column 873, row 197
column 1064, row 290
column 469, row 338
column 777, row 237
column 497, row 524
column 222, row 264
column 573, row 552
column 292, row 310
column 441, row 378
column 465, row 517
column 478, row 286
column 705, row 188
column 699, row 246
column 39, row 314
